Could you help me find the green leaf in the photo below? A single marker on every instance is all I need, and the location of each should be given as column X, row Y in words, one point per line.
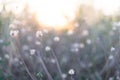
column 39, row 74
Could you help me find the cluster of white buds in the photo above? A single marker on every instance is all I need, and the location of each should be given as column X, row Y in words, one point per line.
column 56, row 39
column 6, row 56
column 14, row 33
column 47, row 48
column 32, row 51
column 71, row 72
column 112, row 49
column 111, row 57
column 39, row 34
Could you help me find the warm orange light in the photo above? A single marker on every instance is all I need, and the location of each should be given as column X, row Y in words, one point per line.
column 54, row 13
column 59, row 14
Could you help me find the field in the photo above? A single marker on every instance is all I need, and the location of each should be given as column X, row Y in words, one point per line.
column 90, row 51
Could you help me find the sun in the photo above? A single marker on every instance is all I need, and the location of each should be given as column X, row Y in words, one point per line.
column 59, row 14
column 54, row 13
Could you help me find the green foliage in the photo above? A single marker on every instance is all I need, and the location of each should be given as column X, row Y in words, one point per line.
column 94, row 53
column 39, row 75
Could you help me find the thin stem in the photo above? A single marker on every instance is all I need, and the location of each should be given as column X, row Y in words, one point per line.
column 44, row 67
column 72, row 78
column 57, row 63
column 42, row 62
column 17, row 42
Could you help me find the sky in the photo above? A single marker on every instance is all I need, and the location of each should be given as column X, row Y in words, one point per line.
column 54, row 13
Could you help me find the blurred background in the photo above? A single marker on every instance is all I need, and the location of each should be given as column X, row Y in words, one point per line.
column 59, row 40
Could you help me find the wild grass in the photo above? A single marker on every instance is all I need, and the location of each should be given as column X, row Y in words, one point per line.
column 90, row 52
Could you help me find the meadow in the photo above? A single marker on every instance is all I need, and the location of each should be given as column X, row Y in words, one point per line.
column 90, row 51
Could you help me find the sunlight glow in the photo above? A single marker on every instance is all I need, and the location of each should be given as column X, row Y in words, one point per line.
column 59, row 13
column 54, row 13
column 107, row 6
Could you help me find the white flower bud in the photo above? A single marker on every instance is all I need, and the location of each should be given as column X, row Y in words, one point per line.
column 47, row 48
column 56, row 39
column 14, row 33
column 71, row 72
column 39, row 34
column 32, row 51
